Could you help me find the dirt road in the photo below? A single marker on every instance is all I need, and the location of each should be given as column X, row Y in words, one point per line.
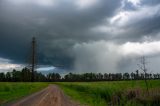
column 50, row 96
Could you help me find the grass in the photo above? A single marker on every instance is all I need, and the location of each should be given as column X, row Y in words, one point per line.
column 10, row 91
column 122, row 93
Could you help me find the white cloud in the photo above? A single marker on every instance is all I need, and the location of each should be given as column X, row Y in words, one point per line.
column 121, row 24
column 48, row 68
column 128, row 17
column 6, row 65
column 9, row 66
column 145, row 48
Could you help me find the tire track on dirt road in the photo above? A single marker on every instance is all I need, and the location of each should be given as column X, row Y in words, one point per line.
column 50, row 96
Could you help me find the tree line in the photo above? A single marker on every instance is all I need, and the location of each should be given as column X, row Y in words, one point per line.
column 25, row 76
column 109, row 76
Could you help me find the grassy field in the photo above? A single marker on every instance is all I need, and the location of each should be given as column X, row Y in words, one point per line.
column 10, row 91
column 122, row 93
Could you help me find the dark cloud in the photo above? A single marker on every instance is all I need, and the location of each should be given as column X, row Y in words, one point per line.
column 150, row 2
column 148, row 26
column 61, row 25
column 57, row 28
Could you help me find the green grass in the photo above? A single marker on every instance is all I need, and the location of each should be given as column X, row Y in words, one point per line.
column 10, row 91
column 129, row 93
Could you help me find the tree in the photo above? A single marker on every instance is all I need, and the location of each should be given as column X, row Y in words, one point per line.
column 142, row 76
column 58, row 77
column 99, row 76
column 39, row 76
column 106, row 76
column 118, row 76
column 126, row 76
column 16, row 75
column 26, row 75
column 2, row 77
column 8, row 76
column 53, row 77
column 142, row 66
column 137, row 74
column 132, row 76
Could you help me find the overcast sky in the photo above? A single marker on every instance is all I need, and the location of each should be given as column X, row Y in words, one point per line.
column 81, row 35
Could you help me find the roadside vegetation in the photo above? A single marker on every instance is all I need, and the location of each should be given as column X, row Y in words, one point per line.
column 114, row 93
column 121, row 93
column 10, row 91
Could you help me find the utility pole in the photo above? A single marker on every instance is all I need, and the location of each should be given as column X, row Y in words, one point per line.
column 33, row 58
column 142, row 66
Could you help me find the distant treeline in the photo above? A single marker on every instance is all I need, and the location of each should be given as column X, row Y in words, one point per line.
column 25, row 76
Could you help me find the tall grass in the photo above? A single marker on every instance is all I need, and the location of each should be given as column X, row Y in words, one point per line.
column 12, row 90
column 122, row 93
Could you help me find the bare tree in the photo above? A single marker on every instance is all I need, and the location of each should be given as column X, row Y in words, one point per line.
column 142, row 65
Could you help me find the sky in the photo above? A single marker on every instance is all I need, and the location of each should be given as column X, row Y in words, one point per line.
column 81, row 35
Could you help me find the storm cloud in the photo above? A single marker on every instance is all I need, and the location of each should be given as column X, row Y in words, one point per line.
column 81, row 35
